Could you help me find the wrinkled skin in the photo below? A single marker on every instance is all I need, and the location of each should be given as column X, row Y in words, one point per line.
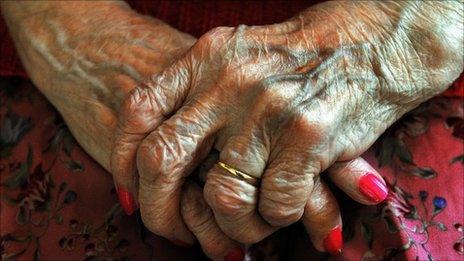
column 282, row 103
column 387, row 53
column 86, row 56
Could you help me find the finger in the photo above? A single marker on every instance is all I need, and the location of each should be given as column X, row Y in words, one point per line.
column 359, row 180
column 285, row 187
column 164, row 159
column 144, row 109
column 233, row 200
column 322, row 219
column 200, row 220
column 296, row 160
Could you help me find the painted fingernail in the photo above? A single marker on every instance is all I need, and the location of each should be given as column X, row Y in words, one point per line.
column 127, row 200
column 180, row 243
column 373, row 188
column 333, row 243
column 236, row 254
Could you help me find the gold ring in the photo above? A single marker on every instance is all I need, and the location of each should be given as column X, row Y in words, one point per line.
column 237, row 173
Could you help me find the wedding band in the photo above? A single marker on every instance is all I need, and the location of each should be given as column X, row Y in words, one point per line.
column 237, row 173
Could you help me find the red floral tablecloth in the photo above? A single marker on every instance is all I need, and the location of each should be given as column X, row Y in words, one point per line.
column 59, row 204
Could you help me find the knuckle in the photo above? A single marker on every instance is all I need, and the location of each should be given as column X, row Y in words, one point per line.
column 313, row 139
column 286, row 178
column 246, row 151
column 138, row 101
column 284, row 193
column 224, row 201
column 137, row 96
column 280, row 208
column 279, row 99
column 156, row 155
column 227, row 205
column 287, row 183
column 137, row 111
column 167, row 89
column 214, row 38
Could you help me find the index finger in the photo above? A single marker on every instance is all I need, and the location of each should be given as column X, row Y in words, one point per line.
column 142, row 111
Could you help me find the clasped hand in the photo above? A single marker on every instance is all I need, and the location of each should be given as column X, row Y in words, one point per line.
column 282, row 103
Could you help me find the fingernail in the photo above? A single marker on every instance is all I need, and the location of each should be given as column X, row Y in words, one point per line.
column 333, row 243
column 127, row 200
column 236, row 254
column 180, row 243
column 373, row 188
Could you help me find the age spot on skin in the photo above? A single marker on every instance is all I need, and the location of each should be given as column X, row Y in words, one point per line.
column 426, row 43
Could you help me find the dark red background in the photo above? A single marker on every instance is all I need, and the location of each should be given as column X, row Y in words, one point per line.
column 193, row 17
column 196, row 18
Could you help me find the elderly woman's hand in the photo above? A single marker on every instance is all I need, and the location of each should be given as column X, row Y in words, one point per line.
column 85, row 57
column 282, row 103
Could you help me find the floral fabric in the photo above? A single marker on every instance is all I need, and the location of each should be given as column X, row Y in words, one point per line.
column 56, row 203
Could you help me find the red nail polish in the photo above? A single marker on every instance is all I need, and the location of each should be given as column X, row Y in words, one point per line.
column 127, row 200
column 180, row 243
column 236, row 254
column 333, row 243
column 373, row 188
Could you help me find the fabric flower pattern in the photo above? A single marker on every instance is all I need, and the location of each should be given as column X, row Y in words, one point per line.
column 459, row 244
column 40, row 197
column 439, row 204
column 13, row 128
column 47, row 187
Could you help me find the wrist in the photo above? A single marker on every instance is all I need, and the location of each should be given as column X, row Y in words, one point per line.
column 423, row 54
column 95, row 50
column 415, row 48
column 86, row 59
